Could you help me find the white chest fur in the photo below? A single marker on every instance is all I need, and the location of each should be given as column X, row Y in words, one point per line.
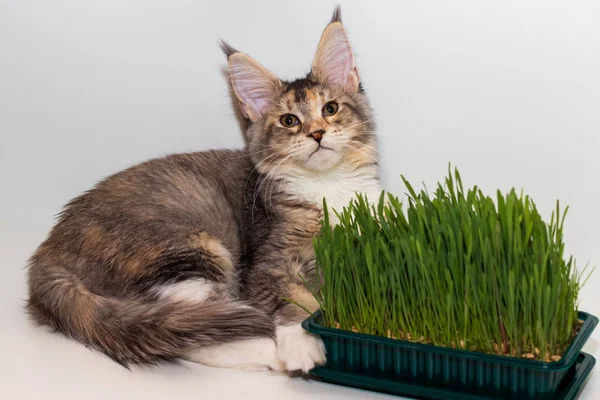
column 337, row 187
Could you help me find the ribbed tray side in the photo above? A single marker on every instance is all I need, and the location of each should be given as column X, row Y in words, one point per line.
column 465, row 372
column 465, row 375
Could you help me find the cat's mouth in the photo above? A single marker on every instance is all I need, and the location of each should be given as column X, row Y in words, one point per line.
column 320, row 148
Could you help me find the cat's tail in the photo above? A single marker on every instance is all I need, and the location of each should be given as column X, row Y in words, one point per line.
column 137, row 331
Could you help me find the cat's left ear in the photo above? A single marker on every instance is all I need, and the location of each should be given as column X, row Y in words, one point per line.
column 255, row 87
column 334, row 61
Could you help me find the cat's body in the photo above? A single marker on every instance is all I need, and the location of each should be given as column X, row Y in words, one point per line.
column 196, row 255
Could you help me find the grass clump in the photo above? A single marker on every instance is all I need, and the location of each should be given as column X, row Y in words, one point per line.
column 455, row 269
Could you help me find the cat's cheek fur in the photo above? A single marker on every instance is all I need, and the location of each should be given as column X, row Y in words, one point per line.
column 298, row 349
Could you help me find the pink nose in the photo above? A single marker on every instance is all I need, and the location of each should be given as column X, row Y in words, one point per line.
column 317, row 135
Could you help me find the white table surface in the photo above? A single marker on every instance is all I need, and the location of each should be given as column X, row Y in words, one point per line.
column 37, row 364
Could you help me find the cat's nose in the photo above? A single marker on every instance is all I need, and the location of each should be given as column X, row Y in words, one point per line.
column 317, row 135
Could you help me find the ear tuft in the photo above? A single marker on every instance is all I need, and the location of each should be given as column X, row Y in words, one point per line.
column 337, row 14
column 227, row 49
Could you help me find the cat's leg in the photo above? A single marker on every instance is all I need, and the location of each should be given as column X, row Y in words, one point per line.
column 251, row 354
column 254, row 354
column 271, row 289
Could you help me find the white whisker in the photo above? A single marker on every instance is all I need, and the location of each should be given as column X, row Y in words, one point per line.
column 357, row 124
column 365, row 145
column 373, row 158
column 256, row 166
column 266, row 181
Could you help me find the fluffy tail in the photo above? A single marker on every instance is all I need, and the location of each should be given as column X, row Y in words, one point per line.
column 139, row 331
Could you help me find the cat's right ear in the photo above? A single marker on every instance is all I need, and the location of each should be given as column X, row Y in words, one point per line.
column 255, row 87
column 334, row 61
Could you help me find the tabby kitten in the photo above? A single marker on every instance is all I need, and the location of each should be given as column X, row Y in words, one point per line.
column 195, row 256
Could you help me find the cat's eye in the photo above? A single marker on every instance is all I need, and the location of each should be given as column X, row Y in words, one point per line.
column 289, row 120
column 330, row 109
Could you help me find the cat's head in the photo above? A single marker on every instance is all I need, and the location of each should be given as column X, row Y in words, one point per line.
column 316, row 123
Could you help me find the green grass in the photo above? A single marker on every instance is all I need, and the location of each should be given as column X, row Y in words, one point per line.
column 455, row 269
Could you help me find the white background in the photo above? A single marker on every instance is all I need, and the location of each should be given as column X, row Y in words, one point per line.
column 508, row 91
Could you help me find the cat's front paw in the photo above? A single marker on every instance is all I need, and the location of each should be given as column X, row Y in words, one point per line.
column 299, row 350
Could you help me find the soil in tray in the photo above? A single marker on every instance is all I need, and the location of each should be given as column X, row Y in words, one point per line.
column 501, row 349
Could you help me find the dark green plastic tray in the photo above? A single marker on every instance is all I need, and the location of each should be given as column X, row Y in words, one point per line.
column 395, row 366
column 569, row 390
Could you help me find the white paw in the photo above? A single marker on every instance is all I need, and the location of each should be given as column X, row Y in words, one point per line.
column 298, row 349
